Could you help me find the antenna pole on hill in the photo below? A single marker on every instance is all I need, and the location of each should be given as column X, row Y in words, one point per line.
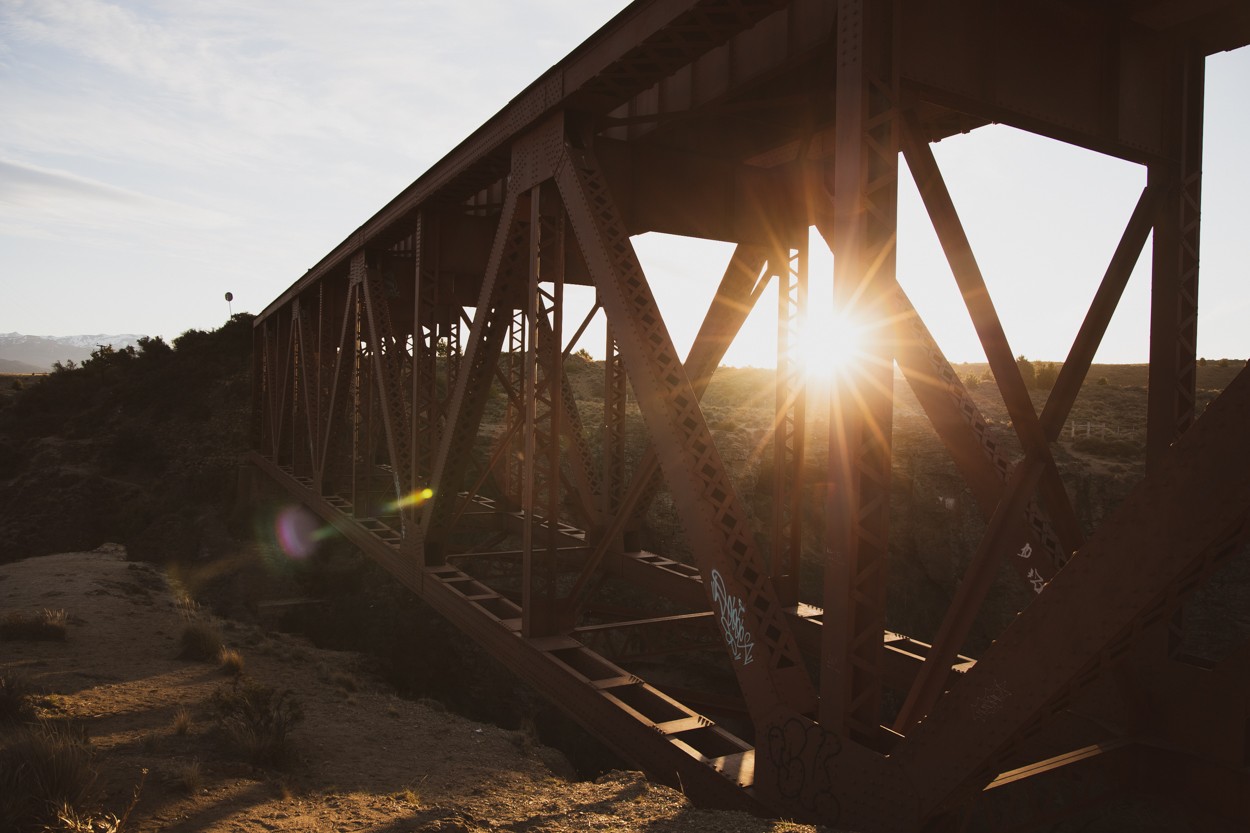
column 229, row 305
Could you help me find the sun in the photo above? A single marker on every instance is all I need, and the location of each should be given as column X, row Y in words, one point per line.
column 830, row 346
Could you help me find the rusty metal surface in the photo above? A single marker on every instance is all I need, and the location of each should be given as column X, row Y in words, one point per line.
column 414, row 390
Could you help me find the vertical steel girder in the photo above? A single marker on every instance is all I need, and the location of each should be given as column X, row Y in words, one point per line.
column 543, row 400
column 865, row 202
column 389, row 427
column 789, row 270
column 391, row 363
column 615, row 387
column 430, row 325
column 1174, row 277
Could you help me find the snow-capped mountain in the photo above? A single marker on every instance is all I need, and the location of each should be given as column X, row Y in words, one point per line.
column 39, row 352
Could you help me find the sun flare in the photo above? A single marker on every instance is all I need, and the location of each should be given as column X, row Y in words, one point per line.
column 829, row 347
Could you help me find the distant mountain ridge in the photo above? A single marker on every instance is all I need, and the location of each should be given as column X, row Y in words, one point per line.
column 20, row 353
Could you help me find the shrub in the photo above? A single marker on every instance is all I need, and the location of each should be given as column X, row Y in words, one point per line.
column 154, row 347
column 17, row 384
column 199, row 642
column 1047, row 375
column 15, row 691
column 44, row 769
column 255, row 720
column 45, row 626
column 1027, row 372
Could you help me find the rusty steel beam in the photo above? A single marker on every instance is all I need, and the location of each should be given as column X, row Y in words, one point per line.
column 766, row 658
column 734, row 299
column 989, row 329
column 789, row 270
column 543, row 389
column 1174, row 276
column 1072, row 374
column 865, row 202
column 1155, row 550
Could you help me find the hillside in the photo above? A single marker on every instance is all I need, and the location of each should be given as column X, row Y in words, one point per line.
column 9, row 366
column 357, row 758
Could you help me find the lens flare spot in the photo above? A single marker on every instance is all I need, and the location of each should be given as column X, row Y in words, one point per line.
column 414, row 498
column 298, row 532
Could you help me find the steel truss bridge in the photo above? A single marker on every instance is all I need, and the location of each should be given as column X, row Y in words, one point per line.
column 752, row 121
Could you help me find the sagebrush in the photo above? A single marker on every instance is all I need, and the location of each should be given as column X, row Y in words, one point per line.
column 256, row 720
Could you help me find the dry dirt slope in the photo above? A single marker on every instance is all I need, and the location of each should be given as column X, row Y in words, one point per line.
column 366, row 760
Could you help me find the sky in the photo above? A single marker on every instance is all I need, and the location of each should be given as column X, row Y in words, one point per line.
column 156, row 155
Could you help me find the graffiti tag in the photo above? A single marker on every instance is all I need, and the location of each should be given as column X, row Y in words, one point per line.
column 732, row 620
column 1035, row 578
column 802, row 755
column 1025, row 551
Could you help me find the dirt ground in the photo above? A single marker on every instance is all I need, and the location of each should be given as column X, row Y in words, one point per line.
column 365, row 760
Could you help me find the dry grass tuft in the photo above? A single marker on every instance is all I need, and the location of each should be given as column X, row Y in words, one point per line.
column 45, row 626
column 44, row 769
column 200, row 642
column 188, row 777
column 231, row 662
column 182, row 722
column 71, row 820
column 408, row 796
column 282, row 789
column 187, row 607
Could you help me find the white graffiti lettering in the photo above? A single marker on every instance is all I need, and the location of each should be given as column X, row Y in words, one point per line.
column 1035, row 578
column 1025, row 551
column 732, row 620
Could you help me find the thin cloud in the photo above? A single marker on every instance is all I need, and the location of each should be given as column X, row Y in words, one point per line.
column 28, row 185
column 29, row 193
